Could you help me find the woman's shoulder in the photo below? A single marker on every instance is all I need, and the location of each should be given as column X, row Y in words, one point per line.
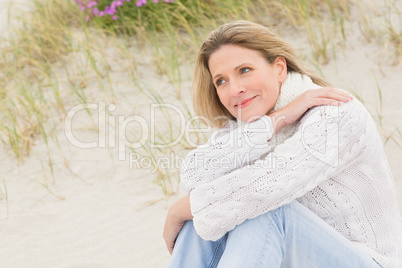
column 349, row 120
column 352, row 111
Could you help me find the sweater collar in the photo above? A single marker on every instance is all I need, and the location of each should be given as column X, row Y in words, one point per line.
column 294, row 85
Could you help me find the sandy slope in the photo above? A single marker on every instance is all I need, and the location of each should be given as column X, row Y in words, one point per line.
column 111, row 216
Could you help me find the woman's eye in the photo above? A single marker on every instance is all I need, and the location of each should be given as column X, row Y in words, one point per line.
column 220, row 82
column 245, row 70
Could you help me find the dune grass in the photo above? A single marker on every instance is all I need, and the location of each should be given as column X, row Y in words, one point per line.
column 4, row 196
column 382, row 24
column 54, row 56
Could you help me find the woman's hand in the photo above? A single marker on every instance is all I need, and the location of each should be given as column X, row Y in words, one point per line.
column 313, row 97
column 178, row 214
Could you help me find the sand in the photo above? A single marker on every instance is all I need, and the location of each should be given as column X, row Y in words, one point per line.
column 109, row 214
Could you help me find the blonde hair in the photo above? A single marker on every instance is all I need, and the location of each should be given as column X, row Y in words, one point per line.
column 248, row 35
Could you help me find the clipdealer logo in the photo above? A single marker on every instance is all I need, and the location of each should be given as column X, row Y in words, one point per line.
column 112, row 133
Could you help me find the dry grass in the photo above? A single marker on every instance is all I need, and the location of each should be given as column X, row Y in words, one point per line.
column 54, row 56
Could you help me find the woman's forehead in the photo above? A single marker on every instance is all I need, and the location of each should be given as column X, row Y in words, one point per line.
column 232, row 57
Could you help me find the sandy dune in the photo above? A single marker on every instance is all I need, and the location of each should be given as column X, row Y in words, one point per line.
column 112, row 214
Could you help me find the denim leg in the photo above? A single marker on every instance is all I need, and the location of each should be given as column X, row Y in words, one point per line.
column 291, row 236
column 255, row 243
column 311, row 242
column 191, row 250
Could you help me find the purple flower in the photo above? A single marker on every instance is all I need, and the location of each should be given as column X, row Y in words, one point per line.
column 141, row 2
column 110, row 11
column 90, row 9
column 91, row 4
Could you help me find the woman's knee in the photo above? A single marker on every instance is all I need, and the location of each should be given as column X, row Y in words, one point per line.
column 276, row 217
column 280, row 211
column 188, row 229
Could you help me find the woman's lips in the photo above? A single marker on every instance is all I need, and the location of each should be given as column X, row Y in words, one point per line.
column 244, row 103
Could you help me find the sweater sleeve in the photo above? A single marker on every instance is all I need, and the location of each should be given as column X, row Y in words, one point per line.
column 328, row 138
column 227, row 149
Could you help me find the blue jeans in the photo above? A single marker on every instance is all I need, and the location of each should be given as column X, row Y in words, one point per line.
column 289, row 236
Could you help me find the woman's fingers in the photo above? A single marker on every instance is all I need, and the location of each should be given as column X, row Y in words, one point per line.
column 178, row 214
column 170, row 247
column 329, row 92
column 326, row 96
column 329, row 101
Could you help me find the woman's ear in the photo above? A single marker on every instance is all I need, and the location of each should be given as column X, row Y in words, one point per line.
column 280, row 64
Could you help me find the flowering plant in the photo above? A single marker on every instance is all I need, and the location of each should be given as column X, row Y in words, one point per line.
column 90, row 7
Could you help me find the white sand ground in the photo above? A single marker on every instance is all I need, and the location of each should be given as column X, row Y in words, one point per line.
column 113, row 214
column 4, row 12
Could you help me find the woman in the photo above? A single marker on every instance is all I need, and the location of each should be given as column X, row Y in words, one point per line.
column 295, row 176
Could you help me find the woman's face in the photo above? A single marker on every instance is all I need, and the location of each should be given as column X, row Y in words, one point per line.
column 246, row 83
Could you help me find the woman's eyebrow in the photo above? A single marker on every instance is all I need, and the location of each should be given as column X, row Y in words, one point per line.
column 216, row 76
column 243, row 64
column 236, row 68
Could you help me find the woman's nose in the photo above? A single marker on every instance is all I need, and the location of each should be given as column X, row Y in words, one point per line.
column 236, row 88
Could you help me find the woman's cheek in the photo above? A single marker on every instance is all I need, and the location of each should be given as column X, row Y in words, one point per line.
column 225, row 101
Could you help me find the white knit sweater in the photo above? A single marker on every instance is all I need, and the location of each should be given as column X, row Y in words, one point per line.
column 331, row 160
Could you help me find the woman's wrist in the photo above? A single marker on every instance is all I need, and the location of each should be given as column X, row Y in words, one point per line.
column 278, row 121
column 181, row 209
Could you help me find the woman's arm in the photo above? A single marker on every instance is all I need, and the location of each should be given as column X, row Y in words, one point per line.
column 226, row 150
column 327, row 140
column 178, row 214
column 230, row 148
